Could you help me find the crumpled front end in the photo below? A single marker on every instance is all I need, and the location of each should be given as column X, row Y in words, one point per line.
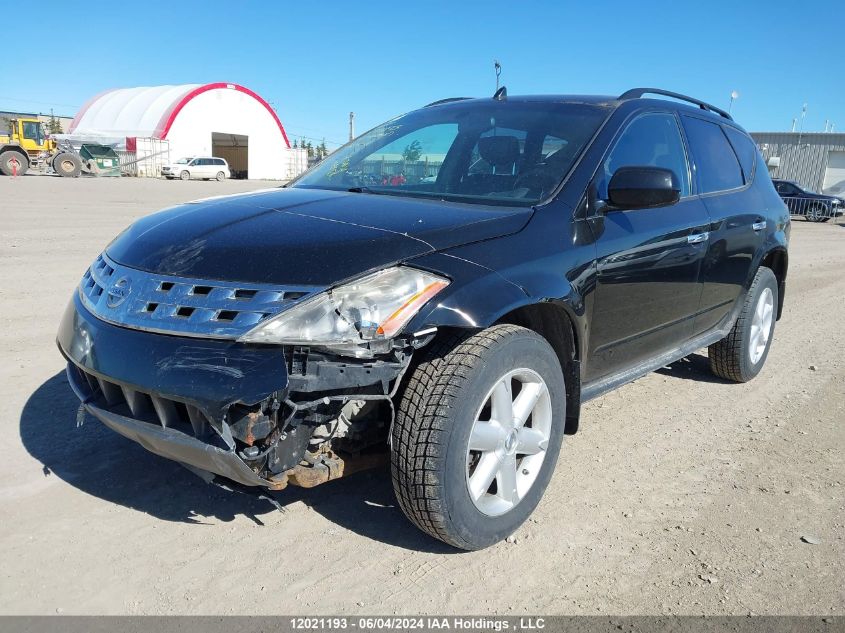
column 256, row 415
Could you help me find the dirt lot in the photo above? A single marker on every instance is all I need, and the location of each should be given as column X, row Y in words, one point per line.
column 681, row 494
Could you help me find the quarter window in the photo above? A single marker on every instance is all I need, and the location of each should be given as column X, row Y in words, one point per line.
column 652, row 140
column 715, row 161
column 745, row 149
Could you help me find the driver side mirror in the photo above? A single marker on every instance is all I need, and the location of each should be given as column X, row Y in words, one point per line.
column 643, row 188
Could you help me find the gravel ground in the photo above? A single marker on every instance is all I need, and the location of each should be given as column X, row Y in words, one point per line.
column 681, row 494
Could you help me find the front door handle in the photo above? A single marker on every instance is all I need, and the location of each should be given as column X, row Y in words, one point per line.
column 697, row 238
column 759, row 226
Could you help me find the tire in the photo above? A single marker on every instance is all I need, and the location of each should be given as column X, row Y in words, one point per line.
column 449, row 393
column 67, row 165
column 741, row 354
column 13, row 163
column 185, row 175
column 221, row 176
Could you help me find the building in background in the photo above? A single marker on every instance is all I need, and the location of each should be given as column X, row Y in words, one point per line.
column 160, row 124
column 815, row 160
column 6, row 115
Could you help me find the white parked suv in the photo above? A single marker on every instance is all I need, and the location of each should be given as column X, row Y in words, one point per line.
column 202, row 168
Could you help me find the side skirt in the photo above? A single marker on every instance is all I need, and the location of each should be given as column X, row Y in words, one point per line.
column 599, row 387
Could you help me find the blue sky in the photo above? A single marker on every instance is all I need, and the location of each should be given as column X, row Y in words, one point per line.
column 316, row 61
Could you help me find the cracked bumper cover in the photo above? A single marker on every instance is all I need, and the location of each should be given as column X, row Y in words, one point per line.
column 210, row 375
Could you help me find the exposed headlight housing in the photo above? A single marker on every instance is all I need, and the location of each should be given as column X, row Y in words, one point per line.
column 358, row 318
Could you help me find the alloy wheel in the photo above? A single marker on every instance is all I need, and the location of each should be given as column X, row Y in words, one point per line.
column 508, row 441
column 761, row 325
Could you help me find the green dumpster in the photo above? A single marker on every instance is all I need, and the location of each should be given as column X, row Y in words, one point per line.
column 100, row 160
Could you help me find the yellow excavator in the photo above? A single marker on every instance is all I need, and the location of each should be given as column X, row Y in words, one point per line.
column 28, row 146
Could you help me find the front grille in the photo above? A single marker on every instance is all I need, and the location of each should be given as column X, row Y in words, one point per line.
column 148, row 407
column 173, row 305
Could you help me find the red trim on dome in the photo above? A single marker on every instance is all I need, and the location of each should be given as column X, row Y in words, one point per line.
column 170, row 114
column 78, row 118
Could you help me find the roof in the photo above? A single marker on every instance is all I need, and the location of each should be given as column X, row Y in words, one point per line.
column 599, row 101
column 146, row 111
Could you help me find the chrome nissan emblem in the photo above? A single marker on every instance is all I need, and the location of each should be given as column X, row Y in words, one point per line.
column 118, row 292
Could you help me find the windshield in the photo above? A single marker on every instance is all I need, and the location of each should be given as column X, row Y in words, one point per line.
column 183, row 161
column 491, row 153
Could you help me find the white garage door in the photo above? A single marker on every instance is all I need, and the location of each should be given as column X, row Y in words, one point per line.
column 834, row 176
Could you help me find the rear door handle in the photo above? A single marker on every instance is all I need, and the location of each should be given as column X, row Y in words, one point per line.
column 697, row 238
column 759, row 226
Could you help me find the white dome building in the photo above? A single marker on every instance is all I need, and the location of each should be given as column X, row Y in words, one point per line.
column 219, row 119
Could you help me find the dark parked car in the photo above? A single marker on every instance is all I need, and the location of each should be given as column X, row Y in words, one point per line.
column 815, row 207
column 535, row 253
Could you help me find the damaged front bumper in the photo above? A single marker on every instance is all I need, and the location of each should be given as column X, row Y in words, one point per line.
column 246, row 413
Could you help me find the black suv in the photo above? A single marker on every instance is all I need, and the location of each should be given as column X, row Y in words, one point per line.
column 815, row 207
column 443, row 292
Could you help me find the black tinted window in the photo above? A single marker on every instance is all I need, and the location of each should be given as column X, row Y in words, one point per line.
column 715, row 161
column 650, row 140
column 745, row 149
column 219, row 161
column 786, row 189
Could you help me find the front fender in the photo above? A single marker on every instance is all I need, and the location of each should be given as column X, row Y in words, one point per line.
column 476, row 298
column 480, row 297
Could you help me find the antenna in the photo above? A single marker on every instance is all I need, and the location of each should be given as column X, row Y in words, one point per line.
column 801, row 127
column 734, row 97
column 497, row 68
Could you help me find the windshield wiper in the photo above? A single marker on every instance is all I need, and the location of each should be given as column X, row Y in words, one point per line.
column 363, row 190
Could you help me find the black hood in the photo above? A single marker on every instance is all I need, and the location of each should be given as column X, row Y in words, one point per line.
column 303, row 236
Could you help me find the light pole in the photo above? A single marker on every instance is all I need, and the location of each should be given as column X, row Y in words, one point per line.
column 734, row 96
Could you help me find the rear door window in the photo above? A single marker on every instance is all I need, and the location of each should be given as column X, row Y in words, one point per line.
column 716, row 164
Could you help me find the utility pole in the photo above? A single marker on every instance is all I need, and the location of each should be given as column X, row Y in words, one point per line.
column 351, row 126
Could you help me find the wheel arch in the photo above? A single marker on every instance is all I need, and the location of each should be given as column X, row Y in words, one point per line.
column 15, row 148
column 552, row 307
column 554, row 323
column 777, row 260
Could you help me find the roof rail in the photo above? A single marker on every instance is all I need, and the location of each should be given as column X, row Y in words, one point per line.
column 449, row 100
column 636, row 93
